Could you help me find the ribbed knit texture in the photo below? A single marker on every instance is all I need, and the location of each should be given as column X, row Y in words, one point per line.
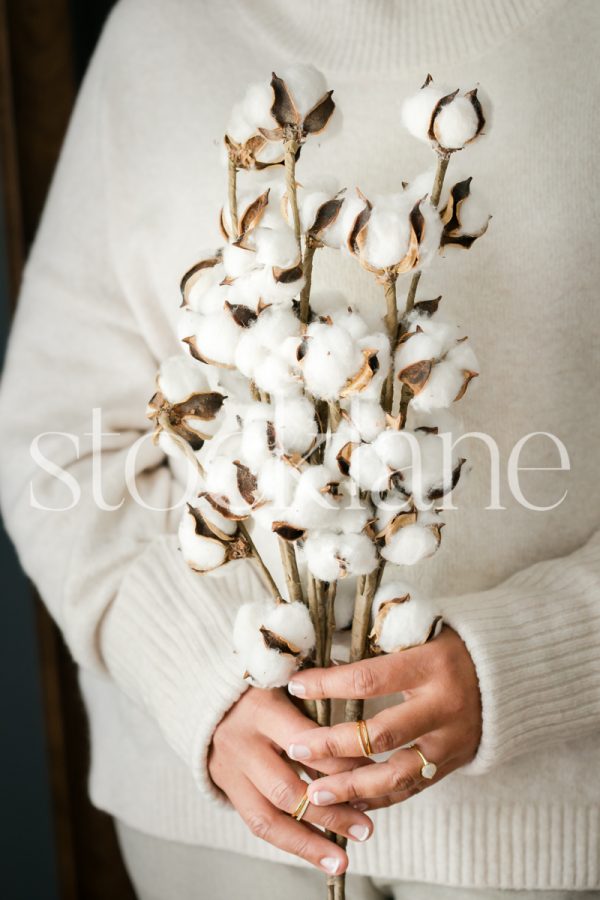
column 132, row 206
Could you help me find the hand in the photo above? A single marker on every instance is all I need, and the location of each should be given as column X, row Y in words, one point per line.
column 245, row 762
column 441, row 713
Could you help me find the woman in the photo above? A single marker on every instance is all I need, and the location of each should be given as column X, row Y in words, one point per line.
column 506, row 701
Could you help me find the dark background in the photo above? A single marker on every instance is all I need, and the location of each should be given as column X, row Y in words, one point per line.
column 45, row 48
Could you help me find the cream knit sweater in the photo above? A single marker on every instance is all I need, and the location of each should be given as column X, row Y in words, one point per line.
column 132, row 205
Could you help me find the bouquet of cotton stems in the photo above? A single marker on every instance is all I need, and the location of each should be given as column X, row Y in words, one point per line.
column 326, row 423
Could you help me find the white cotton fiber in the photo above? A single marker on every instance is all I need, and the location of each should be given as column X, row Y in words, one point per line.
column 331, row 357
column 367, row 469
column 306, row 84
column 338, row 232
column 388, row 231
column 292, row 621
column 349, row 319
column 180, row 377
column 277, row 482
column 419, row 346
column 265, row 666
column 255, row 444
column 216, row 337
column 295, row 425
column 442, row 388
column 406, row 624
column 395, row 448
column 314, row 504
column 272, row 374
column 276, row 247
column 214, row 518
column 418, row 109
column 237, row 261
column 409, row 545
column 456, row 124
column 368, row 417
column 256, row 105
column 321, row 552
column 200, row 553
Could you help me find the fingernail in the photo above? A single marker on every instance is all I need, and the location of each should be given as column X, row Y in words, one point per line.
column 298, row 751
column 361, row 806
column 330, row 864
column 296, row 689
column 320, row 798
column 359, row 832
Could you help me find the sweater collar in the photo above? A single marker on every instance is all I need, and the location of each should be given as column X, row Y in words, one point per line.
column 387, row 36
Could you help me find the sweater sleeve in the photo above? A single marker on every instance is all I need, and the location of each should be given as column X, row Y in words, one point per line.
column 93, row 515
column 535, row 642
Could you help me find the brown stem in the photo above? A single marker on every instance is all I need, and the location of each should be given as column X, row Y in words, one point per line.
column 335, row 415
column 254, row 391
column 391, row 324
column 270, row 581
column 290, row 150
column 307, row 267
column 290, row 567
column 232, row 193
column 438, row 181
column 360, row 631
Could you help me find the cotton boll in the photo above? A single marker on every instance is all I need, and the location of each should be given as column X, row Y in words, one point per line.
column 264, row 666
column 240, row 128
column 417, row 347
column 287, row 350
column 295, row 425
column 320, row 550
column 352, row 322
column 292, row 621
column 395, row 449
column 367, row 469
column 237, row 260
column 434, row 470
column 213, row 518
column 255, row 444
column 274, row 325
column 346, row 433
column 417, row 110
column 306, row 84
column 368, row 418
column 358, row 553
column 201, row 553
column 256, row 105
column 315, row 505
column 336, row 235
column 279, row 293
column 179, row 378
column 268, row 669
column 431, row 236
column 456, row 124
column 249, row 353
column 409, row 545
column 276, row 247
column 221, row 480
column 402, row 617
column 330, row 359
column 214, row 338
column 273, row 375
column 204, row 294
column 388, row 232
column 441, row 389
column 380, row 344
column 277, row 482
column 463, row 357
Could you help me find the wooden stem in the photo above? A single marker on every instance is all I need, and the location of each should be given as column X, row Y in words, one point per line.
column 391, row 323
column 438, row 181
column 232, row 194
column 290, row 567
column 290, row 150
column 269, row 580
column 307, row 268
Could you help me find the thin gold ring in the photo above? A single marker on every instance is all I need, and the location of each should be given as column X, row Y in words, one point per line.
column 363, row 738
column 303, row 805
column 428, row 769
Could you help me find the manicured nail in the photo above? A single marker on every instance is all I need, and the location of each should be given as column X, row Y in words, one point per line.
column 296, row 689
column 320, row 798
column 298, row 751
column 359, row 832
column 361, row 806
column 330, row 864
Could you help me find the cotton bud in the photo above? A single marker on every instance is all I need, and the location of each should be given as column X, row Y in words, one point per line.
column 184, row 402
column 329, row 358
column 244, row 143
column 204, row 546
column 448, row 380
column 463, row 217
column 435, row 469
column 331, row 556
column 273, row 640
column 444, row 118
column 337, row 233
column 402, row 618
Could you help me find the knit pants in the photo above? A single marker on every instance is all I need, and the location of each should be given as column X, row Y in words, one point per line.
column 164, row 870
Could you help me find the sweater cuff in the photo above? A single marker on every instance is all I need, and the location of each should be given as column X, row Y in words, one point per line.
column 534, row 642
column 167, row 642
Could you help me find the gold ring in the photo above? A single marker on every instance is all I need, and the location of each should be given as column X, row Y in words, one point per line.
column 303, row 805
column 363, row 738
column 428, row 769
